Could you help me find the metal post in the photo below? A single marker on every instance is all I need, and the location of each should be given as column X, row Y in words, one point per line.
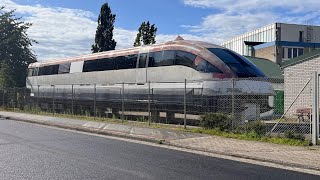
column 122, row 103
column 53, row 99
column 14, row 98
column 315, row 109
column 3, row 96
column 72, row 99
column 232, row 103
column 38, row 96
column 95, row 102
column 185, row 104
column 149, row 105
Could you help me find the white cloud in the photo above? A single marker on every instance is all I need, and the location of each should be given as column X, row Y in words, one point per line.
column 63, row 32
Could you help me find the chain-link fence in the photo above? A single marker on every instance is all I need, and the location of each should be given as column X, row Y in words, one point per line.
column 250, row 103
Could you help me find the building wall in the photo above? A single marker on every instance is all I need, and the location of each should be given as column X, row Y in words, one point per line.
column 295, row 78
column 266, row 53
column 264, row 34
column 290, row 32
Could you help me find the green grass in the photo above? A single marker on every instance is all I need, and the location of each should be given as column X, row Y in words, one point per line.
column 252, row 137
column 214, row 132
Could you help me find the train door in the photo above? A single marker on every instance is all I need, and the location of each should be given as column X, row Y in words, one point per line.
column 141, row 70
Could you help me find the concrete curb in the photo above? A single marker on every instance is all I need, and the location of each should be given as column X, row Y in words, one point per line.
column 88, row 130
column 293, row 165
column 155, row 140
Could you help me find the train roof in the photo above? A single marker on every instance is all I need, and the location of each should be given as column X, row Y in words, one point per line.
column 188, row 45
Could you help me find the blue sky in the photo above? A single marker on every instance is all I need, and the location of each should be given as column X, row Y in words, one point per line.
column 66, row 28
column 168, row 15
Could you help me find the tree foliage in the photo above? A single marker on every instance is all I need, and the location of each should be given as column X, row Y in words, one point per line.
column 15, row 52
column 146, row 34
column 104, row 35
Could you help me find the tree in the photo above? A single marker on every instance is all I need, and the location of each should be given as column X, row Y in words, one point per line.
column 104, row 35
column 146, row 34
column 15, row 52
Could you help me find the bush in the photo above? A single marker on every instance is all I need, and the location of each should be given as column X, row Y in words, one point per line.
column 215, row 120
column 256, row 127
column 291, row 135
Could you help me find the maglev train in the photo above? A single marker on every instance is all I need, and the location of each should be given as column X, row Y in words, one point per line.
column 206, row 68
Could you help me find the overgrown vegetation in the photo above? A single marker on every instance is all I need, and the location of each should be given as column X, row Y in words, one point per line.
column 253, row 131
column 216, row 120
column 221, row 125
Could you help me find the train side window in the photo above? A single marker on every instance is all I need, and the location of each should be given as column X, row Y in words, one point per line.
column 167, row 58
column 142, row 60
column 48, row 70
column 204, row 66
column 155, row 58
column 131, row 60
column 126, row 62
column 185, row 59
column 64, row 68
column 99, row 65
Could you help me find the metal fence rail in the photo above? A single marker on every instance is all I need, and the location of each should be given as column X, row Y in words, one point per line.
column 243, row 100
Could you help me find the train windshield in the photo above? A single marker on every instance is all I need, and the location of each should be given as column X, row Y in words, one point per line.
column 240, row 65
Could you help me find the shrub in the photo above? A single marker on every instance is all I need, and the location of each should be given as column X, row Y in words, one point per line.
column 291, row 135
column 215, row 120
column 256, row 127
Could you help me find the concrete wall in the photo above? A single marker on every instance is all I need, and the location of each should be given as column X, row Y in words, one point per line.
column 295, row 78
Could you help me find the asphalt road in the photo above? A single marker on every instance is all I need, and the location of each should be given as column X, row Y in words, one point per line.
column 29, row 151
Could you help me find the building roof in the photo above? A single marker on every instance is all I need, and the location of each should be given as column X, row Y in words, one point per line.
column 269, row 68
column 305, row 57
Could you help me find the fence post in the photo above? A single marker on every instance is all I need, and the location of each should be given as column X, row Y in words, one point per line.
column 38, row 96
column 72, row 99
column 149, row 105
column 185, row 104
column 232, row 103
column 53, row 98
column 14, row 98
column 315, row 109
column 95, row 102
column 3, row 96
column 122, row 103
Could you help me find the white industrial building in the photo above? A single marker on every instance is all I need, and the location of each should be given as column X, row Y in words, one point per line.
column 277, row 42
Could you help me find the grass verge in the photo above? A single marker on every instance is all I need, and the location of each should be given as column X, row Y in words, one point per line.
column 192, row 129
column 252, row 137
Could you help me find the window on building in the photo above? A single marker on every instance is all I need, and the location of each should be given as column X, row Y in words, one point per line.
column 300, row 36
column 290, row 53
column 300, row 51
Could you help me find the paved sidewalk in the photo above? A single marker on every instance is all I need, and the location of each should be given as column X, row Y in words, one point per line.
column 301, row 157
